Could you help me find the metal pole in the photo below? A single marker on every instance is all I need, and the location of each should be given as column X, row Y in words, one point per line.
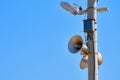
column 92, row 41
column 90, row 27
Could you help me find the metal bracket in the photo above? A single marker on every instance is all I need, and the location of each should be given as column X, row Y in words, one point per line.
column 98, row 10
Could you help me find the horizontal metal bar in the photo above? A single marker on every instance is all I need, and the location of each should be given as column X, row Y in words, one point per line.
column 98, row 10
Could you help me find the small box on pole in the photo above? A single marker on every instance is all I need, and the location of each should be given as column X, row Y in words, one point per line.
column 88, row 25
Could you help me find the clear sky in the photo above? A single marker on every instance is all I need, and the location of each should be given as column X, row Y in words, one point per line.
column 34, row 37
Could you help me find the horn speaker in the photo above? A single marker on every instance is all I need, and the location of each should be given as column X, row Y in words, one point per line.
column 100, row 59
column 75, row 44
column 84, row 61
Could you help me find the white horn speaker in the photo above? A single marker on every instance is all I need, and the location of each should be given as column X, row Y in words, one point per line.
column 84, row 61
column 100, row 59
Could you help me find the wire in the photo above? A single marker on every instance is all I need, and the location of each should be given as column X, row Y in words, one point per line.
column 85, row 36
column 85, row 16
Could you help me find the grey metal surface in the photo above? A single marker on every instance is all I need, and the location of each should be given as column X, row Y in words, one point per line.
column 92, row 42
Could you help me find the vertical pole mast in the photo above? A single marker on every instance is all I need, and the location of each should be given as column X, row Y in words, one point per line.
column 90, row 27
column 92, row 42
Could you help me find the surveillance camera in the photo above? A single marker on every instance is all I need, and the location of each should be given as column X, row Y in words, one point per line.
column 69, row 7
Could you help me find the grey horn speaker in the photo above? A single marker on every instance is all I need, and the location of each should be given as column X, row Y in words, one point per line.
column 75, row 44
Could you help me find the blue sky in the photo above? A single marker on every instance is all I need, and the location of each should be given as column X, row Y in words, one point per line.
column 34, row 35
